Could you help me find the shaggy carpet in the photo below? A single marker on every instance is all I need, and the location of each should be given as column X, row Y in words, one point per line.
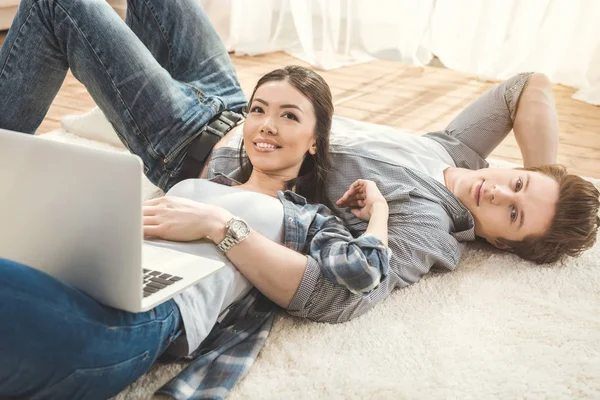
column 496, row 328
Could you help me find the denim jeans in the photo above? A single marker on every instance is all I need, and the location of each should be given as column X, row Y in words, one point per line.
column 159, row 77
column 58, row 343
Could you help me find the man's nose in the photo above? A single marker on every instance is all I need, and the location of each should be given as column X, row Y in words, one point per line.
column 500, row 195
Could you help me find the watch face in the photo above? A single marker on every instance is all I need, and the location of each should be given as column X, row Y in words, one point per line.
column 239, row 229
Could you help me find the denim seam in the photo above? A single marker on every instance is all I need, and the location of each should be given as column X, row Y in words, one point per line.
column 163, row 32
column 15, row 41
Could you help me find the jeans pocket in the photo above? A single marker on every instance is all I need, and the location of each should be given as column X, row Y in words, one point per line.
column 98, row 383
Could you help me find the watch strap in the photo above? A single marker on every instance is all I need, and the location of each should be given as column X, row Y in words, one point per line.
column 230, row 240
column 227, row 243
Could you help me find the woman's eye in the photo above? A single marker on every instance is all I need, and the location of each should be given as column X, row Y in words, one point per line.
column 291, row 116
column 513, row 215
column 519, row 185
column 256, row 109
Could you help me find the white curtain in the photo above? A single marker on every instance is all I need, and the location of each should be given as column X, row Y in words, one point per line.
column 490, row 39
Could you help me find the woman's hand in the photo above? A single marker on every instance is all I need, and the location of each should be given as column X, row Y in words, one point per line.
column 363, row 197
column 183, row 220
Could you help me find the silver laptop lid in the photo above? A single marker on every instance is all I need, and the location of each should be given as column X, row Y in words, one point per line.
column 73, row 212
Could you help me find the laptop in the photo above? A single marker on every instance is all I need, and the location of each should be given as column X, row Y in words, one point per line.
column 75, row 213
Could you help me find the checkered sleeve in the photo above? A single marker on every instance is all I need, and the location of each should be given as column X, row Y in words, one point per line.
column 358, row 264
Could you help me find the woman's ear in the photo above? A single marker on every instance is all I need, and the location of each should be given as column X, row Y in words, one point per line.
column 313, row 148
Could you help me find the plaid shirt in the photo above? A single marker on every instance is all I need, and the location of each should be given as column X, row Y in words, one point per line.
column 225, row 356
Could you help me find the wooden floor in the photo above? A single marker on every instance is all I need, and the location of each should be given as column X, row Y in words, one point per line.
column 420, row 99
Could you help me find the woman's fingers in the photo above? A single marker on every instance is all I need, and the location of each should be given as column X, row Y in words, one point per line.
column 347, row 201
column 154, row 202
column 351, row 195
column 152, row 231
column 151, row 220
column 355, row 196
column 344, row 198
column 150, row 210
column 351, row 202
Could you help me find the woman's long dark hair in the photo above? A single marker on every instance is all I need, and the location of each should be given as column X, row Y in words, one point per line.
column 310, row 181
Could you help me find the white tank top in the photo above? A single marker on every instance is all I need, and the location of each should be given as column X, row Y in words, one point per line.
column 201, row 304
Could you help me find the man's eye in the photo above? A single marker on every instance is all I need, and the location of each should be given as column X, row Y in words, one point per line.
column 256, row 109
column 519, row 185
column 291, row 116
column 513, row 215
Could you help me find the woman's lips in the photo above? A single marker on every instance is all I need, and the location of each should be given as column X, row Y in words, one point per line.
column 265, row 148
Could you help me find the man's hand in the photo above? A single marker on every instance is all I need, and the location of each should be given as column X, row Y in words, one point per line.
column 183, row 220
column 362, row 196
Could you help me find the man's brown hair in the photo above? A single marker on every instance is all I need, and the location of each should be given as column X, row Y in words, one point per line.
column 575, row 223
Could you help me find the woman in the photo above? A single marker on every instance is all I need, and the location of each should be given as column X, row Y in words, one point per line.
column 55, row 341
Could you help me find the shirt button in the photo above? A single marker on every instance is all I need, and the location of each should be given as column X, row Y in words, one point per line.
column 290, row 219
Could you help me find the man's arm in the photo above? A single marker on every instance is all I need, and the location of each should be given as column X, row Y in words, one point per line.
column 536, row 122
column 523, row 103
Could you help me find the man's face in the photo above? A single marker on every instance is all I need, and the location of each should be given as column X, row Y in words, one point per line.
column 508, row 203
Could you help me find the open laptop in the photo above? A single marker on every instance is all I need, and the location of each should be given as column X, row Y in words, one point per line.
column 75, row 213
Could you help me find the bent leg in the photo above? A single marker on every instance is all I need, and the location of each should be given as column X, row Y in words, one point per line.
column 155, row 115
column 57, row 342
column 183, row 40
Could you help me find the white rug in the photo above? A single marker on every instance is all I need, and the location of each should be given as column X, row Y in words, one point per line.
column 496, row 328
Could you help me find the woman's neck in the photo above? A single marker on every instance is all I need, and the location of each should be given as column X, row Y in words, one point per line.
column 265, row 183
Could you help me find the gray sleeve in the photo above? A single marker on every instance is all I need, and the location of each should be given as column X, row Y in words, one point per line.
column 479, row 128
column 414, row 251
column 321, row 300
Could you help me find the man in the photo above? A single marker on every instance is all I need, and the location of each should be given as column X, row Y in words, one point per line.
column 441, row 193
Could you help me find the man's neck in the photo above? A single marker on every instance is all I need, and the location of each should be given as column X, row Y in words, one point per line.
column 450, row 176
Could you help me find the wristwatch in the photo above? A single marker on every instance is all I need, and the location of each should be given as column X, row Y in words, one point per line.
column 237, row 230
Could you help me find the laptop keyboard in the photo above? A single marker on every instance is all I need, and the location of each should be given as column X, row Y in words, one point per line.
column 156, row 280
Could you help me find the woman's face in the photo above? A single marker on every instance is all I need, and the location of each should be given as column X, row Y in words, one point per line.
column 279, row 129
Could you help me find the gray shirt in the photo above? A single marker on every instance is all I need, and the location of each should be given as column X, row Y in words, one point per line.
column 426, row 226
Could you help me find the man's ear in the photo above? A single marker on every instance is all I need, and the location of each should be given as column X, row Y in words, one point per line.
column 500, row 245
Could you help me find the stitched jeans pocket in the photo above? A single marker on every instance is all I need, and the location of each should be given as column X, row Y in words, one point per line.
column 98, row 383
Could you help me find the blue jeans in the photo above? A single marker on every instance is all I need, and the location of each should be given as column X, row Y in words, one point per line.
column 58, row 343
column 159, row 78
